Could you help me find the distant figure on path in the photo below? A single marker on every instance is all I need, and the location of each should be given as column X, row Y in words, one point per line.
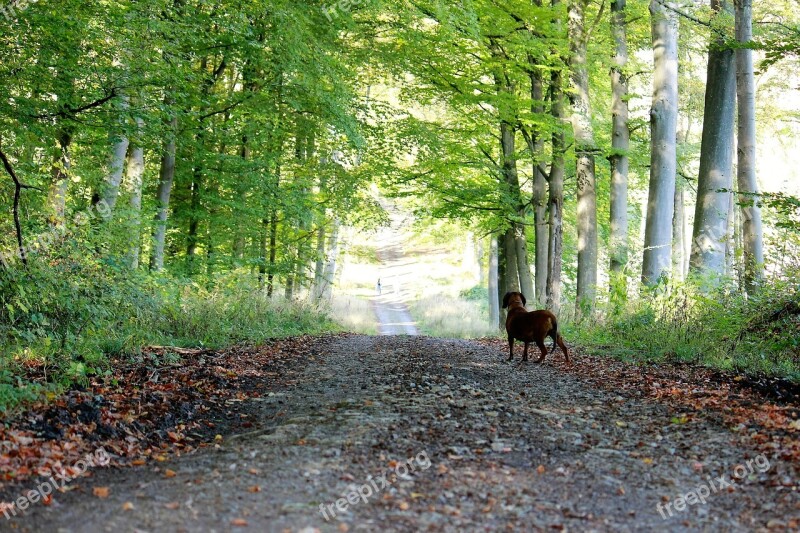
column 378, row 286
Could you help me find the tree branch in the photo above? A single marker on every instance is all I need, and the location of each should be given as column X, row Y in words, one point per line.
column 17, row 189
column 694, row 19
column 67, row 112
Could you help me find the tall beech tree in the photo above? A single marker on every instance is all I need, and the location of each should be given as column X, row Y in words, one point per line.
column 663, row 131
column 585, row 150
column 752, row 233
column 619, row 160
column 715, row 177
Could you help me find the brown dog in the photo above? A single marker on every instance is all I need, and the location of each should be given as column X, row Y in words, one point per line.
column 530, row 326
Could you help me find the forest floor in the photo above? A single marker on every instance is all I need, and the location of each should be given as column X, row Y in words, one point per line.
column 420, row 434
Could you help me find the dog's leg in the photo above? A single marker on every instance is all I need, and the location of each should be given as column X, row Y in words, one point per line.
column 525, row 352
column 543, row 348
column 510, row 348
column 564, row 348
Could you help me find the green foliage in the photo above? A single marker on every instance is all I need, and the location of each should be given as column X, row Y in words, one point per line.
column 722, row 329
column 477, row 293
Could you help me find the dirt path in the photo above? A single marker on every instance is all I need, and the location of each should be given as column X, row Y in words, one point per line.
column 466, row 442
column 389, row 302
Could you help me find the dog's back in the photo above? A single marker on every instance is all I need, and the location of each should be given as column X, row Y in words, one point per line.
column 528, row 326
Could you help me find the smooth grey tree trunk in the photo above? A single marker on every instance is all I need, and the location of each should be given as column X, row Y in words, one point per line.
column 501, row 274
column 656, row 260
column 134, row 180
column 511, row 269
column 116, row 165
column 585, row 149
column 730, row 241
column 329, row 274
column 165, row 179
column 494, row 292
column 319, row 266
column 678, row 235
column 555, row 194
column 523, row 267
column 752, row 232
column 518, row 275
column 539, row 192
column 620, row 144
column 716, row 160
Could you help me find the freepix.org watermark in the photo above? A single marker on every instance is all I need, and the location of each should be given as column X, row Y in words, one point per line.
column 48, row 239
column 713, row 485
column 56, row 482
column 374, row 485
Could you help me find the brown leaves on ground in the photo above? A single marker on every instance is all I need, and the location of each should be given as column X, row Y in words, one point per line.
column 770, row 423
column 143, row 412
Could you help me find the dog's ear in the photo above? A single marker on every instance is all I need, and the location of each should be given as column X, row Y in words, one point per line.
column 505, row 300
column 524, row 301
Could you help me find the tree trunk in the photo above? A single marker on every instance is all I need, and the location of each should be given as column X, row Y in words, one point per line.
column 523, row 268
column 273, row 251
column 116, row 166
column 134, row 180
column 241, row 192
column 319, row 266
column 262, row 252
column 502, row 284
column 518, row 272
column 716, row 160
column 730, row 240
column 620, row 144
column 678, row 236
column 166, row 178
column 663, row 143
column 539, row 185
column 585, row 148
column 196, row 191
column 541, row 230
column 288, row 289
column 57, row 195
column 332, row 257
column 273, row 233
column 555, row 195
column 752, row 232
column 512, row 272
column 494, row 291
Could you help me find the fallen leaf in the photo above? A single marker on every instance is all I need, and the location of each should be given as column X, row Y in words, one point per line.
column 241, row 522
column 101, row 492
column 127, row 506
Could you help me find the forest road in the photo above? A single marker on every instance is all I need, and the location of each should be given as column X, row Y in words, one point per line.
column 399, row 433
column 392, row 287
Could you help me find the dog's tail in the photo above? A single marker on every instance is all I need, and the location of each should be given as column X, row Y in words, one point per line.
column 554, row 335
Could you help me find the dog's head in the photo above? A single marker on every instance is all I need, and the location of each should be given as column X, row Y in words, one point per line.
column 514, row 298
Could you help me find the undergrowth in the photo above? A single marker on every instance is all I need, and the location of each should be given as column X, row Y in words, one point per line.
column 67, row 314
column 756, row 335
